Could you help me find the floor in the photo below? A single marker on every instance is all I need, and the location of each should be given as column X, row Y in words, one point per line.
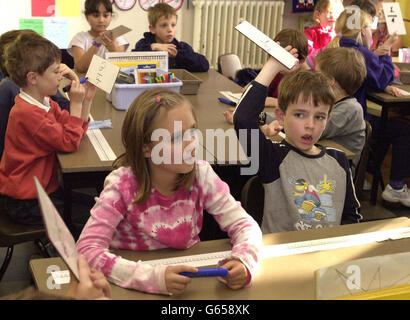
column 18, row 276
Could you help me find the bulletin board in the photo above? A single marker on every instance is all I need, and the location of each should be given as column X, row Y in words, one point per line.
column 56, row 20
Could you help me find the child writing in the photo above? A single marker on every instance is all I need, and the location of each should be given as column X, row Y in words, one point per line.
column 325, row 15
column 307, row 185
column 162, row 20
column 347, row 70
column 149, row 204
column 84, row 45
column 9, row 90
column 37, row 127
column 380, row 75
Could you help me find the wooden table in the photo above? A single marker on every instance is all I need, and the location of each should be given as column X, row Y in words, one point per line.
column 387, row 102
column 85, row 169
column 284, row 277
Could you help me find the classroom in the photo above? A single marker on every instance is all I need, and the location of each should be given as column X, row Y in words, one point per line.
column 136, row 165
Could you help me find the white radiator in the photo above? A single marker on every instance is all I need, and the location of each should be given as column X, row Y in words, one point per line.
column 214, row 32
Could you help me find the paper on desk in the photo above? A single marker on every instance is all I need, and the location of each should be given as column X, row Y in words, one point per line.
column 100, row 144
column 394, row 18
column 234, row 97
column 115, row 33
column 99, row 124
column 102, row 73
column 403, row 92
column 267, row 44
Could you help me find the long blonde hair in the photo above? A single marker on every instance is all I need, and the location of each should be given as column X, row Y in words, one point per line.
column 347, row 25
column 136, row 133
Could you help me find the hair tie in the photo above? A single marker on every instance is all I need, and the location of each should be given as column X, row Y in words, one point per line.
column 158, row 99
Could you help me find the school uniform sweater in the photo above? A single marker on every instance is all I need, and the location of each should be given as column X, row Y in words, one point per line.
column 301, row 191
column 161, row 222
column 186, row 57
column 347, row 127
column 34, row 134
column 380, row 71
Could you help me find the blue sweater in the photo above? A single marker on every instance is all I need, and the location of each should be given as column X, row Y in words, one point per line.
column 186, row 58
column 380, row 71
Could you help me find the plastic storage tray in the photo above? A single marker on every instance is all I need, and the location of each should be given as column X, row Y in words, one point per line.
column 404, row 69
column 124, row 94
column 190, row 82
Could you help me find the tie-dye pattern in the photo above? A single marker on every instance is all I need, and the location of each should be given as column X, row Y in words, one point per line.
column 162, row 222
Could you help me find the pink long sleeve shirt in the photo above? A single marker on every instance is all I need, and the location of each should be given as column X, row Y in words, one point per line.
column 162, row 222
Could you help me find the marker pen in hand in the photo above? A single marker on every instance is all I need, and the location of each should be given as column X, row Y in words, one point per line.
column 206, row 272
column 68, row 87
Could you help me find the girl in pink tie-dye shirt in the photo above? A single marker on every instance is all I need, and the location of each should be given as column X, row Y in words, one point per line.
column 156, row 197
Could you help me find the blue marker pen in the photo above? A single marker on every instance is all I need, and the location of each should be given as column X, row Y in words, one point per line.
column 68, row 87
column 231, row 103
column 206, row 272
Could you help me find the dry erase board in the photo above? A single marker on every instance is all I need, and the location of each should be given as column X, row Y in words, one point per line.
column 60, row 20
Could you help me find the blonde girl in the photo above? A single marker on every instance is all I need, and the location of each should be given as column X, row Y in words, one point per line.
column 148, row 204
column 97, row 40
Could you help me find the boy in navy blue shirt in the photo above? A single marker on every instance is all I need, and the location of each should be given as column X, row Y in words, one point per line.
column 162, row 25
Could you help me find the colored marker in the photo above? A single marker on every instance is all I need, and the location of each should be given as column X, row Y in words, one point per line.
column 231, row 103
column 206, row 272
column 68, row 87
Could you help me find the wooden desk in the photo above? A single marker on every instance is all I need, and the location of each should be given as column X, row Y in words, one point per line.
column 85, row 169
column 286, row 277
column 387, row 102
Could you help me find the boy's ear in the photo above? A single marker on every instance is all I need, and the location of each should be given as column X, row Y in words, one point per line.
column 152, row 29
column 31, row 77
column 279, row 116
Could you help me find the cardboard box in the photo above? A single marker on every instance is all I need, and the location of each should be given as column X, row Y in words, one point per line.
column 404, row 69
column 190, row 82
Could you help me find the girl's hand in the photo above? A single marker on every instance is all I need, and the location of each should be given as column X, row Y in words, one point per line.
column 108, row 41
column 393, row 91
column 272, row 129
column 67, row 72
column 229, row 115
column 176, row 283
column 170, row 47
column 237, row 274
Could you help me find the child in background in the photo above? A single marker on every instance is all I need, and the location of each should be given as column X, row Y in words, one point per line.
column 84, row 45
column 307, row 185
column 347, row 70
column 380, row 75
column 9, row 90
column 325, row 14
column 37, row 127
column 162, row 20
column 150, row 203
column 286, row 37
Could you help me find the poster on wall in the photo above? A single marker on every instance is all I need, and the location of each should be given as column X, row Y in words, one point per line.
column 303, row 5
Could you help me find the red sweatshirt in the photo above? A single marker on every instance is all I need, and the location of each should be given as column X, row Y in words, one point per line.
column 318, row 37
column 33, row 137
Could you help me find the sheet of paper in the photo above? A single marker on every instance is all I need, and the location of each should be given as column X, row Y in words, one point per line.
column 102, row 73
column 56, row 30
column 116, row 32
column 234, row 97
column 403, row 92
column 68, row 8
column 57, row 231
column 394, row 18
column 43, row 8
column 34, row 24
column 267, row 44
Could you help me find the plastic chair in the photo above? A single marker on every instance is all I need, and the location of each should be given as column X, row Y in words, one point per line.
column 362, row 165
column 12, row 233
column 229, row 64
column 252, row 198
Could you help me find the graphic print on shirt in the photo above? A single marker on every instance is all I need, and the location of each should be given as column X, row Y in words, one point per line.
column 314, row 203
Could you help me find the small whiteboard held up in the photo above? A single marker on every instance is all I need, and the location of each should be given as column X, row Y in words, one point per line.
column 102, row 73
column 394, row 18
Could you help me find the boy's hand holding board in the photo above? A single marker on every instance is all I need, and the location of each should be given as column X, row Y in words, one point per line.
column 267, row 44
